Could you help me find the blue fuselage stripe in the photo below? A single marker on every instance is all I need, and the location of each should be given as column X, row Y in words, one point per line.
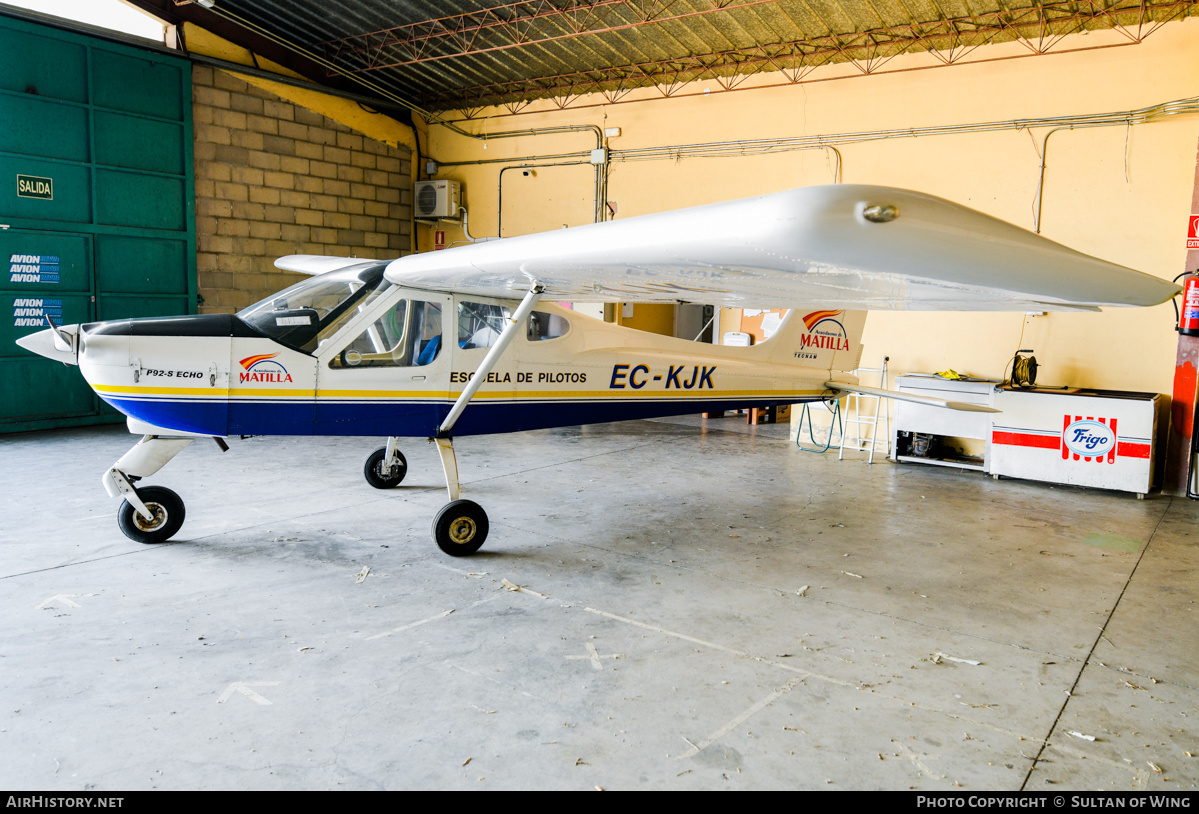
column 406, row 419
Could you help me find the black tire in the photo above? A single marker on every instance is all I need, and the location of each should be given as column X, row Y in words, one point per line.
column 460, row 528
column 376, row 476
column 167, row 508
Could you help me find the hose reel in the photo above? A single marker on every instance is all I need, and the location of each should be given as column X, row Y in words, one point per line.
column 1024, row 369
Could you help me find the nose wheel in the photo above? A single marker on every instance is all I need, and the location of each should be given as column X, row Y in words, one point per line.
column 460, row 528
column 149, row 514
column 166, row 512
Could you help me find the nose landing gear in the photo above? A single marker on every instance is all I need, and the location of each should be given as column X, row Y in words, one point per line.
column 149, row 514
column 166, row 516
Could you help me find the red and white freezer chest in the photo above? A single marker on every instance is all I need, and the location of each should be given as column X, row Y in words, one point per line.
column 1098, row 438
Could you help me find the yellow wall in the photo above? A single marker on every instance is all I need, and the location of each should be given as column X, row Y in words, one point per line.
column 652, row 317
column 351, row 114
column 1119, row 193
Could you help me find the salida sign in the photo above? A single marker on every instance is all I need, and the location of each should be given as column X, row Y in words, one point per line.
column 32, row 186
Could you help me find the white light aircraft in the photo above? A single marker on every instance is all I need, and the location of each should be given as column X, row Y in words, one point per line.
column 466, row 341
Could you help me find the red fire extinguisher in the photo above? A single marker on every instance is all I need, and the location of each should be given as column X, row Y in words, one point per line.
column 1188, row 322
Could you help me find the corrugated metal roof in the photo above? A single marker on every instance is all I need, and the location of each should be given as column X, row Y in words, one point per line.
column 468, row 53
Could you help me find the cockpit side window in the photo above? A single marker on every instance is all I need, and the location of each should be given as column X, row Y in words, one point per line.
column 336, row 321
column 544, row 326
column 480, row 324
column 310, row 311
column 407, row 335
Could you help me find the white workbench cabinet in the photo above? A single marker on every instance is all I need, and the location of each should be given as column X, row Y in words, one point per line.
column 912, row 418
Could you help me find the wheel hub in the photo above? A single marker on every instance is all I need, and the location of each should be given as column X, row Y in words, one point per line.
column 462, row 530
column 159, row 516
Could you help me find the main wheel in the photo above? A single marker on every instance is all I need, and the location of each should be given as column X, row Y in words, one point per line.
column 166, row 508
column 380, row 476
column 460, row 528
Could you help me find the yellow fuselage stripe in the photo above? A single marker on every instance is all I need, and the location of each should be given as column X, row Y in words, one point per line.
column 484, row 395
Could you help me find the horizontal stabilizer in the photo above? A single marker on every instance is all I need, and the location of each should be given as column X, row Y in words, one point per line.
column 318, row 263
column 925, row 400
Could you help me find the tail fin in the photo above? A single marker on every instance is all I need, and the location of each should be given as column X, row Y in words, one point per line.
column 826, row 339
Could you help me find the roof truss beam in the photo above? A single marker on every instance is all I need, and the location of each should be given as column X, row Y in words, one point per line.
column 1038, row 28
column 509, row 26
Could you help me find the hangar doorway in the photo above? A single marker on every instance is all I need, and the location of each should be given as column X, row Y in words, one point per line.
column 97, row 194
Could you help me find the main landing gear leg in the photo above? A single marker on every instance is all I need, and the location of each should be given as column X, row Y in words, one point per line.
column 460, row 528
column 149, row 514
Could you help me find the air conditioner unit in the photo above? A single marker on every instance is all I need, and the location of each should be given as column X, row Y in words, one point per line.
column 436, row 199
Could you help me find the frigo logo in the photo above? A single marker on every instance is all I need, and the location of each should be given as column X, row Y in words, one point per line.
column 1091, row 439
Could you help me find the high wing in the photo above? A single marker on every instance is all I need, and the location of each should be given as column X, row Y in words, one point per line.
column 839, row 246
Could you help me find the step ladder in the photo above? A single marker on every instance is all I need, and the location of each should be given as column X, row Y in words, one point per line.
column 858, row 416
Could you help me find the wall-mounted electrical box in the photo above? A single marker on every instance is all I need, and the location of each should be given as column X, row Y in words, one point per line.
column 436, row 199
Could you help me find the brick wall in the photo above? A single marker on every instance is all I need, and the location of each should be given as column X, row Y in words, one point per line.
column 274, row 178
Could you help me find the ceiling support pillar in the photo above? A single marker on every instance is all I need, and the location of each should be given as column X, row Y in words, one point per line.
column 1186, row 382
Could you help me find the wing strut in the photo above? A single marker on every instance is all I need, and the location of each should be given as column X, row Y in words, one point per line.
column 493, row 356
column 461, row 526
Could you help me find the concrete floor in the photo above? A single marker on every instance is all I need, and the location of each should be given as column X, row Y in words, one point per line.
column 955, row 632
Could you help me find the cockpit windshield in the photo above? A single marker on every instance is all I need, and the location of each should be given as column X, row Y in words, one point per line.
column 311, row 310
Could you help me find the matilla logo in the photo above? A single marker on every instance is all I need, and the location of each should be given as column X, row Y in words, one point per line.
column 31, row 186
column 824, row 332
column 261, row 369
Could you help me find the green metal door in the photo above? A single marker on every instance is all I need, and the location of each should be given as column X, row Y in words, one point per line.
column 45, row 276
column 96, row 189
